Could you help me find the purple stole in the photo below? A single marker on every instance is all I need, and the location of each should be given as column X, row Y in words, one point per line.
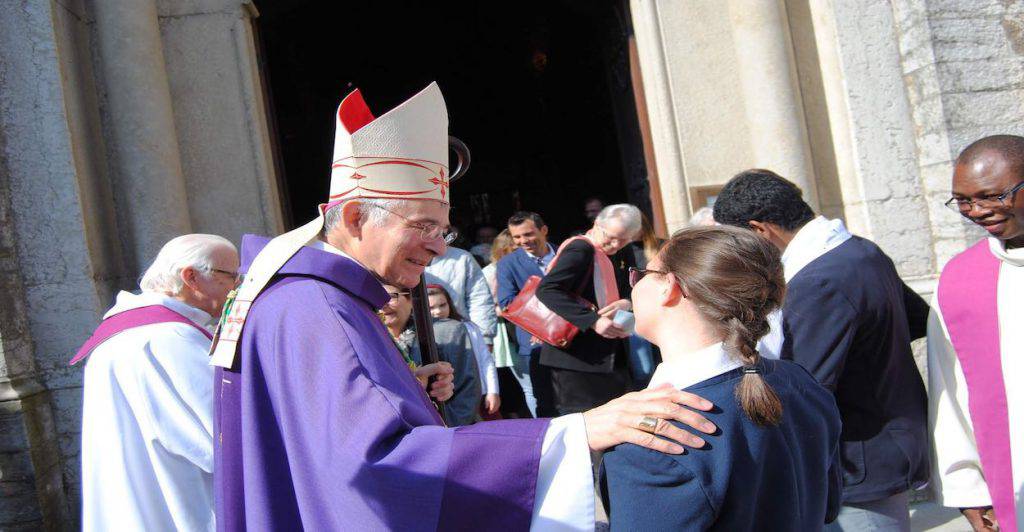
column 129, row 319
column 968, row 301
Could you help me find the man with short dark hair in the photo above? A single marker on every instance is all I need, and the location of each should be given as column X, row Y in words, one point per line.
column 845, row 319
column 976, row 408
column 534, row 253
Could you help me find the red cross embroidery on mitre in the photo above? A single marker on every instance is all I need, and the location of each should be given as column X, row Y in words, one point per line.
column 441, row 181
column 438, row 177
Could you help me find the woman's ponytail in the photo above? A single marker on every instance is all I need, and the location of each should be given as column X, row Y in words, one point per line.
column 735, row 279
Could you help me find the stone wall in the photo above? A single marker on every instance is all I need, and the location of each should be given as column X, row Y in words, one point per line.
column 963, row 70
column 57, row 288
column 812, row 89
column 122, row 124
column 876, row 186
column 722, row 95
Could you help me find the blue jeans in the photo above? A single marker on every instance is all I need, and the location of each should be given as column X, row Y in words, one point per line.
column 521, row 371
column 891, row 514
column 535, row 380
column 641, row 361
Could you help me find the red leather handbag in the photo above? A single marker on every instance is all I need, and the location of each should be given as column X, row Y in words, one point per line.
column 534, row 317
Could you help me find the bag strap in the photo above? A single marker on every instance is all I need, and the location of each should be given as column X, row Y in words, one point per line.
column 590, row 271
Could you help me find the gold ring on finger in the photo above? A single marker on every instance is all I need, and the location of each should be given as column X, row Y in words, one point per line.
column 648, row 424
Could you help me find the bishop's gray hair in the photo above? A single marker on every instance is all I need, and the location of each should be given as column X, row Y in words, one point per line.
column 195, row 250
column 368, row 212
column 628, row 215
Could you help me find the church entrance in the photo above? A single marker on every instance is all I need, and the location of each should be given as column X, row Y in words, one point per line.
column 540, row 91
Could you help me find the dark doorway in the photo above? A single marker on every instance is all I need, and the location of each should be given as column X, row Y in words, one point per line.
column 539, row 90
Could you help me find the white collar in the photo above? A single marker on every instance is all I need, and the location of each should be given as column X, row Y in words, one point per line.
column 694, row 367
column 128, row 301
column 316, row 243
column 814, row 239
column 551, row 250
column 1013, row 257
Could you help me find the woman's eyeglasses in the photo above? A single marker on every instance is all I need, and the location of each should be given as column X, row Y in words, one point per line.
column 636, row 274
column 395, row 295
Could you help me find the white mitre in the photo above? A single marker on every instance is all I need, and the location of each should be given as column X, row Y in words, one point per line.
column 400, row 155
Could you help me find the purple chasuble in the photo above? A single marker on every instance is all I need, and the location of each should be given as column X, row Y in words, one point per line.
column 968, row 300
column 129, row 319
column 321, row 425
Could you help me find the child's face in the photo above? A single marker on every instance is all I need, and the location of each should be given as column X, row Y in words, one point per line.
column 438, row 306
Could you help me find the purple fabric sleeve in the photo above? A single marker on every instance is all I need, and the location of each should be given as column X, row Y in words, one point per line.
column 470, row 490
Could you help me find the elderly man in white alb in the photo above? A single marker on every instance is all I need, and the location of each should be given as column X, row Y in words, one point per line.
column 147, row 420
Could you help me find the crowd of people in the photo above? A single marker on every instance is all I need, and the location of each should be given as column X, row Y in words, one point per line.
column 750, row 372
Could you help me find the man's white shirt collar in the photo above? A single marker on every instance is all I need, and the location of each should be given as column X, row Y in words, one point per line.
column 551, row 251
column 128, row 301
column 814, row 239
column 694, row 367
column 1013, row 257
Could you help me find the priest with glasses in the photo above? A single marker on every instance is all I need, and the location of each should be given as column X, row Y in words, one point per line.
column 976, row 344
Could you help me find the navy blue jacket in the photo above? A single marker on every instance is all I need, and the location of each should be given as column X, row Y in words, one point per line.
column 845, row 320
column 748, row 477
column 513, row 271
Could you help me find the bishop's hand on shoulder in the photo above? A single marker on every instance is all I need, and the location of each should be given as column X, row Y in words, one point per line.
column 645, row 417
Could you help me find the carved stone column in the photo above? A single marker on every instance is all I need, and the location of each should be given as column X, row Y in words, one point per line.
column 149, row 186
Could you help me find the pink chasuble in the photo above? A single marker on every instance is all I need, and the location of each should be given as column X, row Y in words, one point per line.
column 968, row 300
column 129, row 319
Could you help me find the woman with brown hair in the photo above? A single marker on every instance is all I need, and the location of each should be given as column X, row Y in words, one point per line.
column 704, row 300
column 501, row 246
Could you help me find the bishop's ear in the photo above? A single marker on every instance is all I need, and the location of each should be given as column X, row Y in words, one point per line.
column 352, row 217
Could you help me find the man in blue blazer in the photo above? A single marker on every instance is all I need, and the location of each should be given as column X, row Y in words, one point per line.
column 534, row 254
column 847, row 318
